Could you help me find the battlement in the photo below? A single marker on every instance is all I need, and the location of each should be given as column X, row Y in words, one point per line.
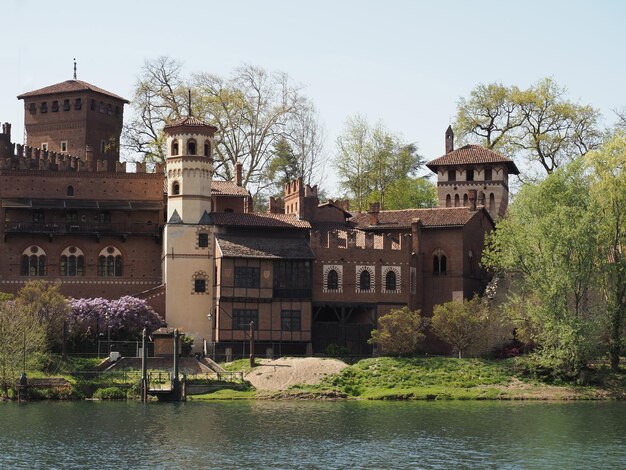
column 297, row 187
column 357, row 239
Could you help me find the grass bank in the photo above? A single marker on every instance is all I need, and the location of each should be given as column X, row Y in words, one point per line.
column 438, row 378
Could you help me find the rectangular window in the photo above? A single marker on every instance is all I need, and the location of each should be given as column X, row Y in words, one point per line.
column 93, row 105
column 470, row 175
column 101, row 107
column 38, row 216
column 488, row 175
column 451, row 175
column 66, row 105
column 203, row 240
column 55, row 106
column 246, row 277
column 64, row 146
column 71, row 217
column 199, row 285
column 43, row 108
column 44, row 146
column 109, row 109
column 243, row 317
column 292, row 279
column 290, row 320
column 32, row 108
column 78, row 104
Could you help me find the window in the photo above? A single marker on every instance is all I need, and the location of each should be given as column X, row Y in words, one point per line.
column 55, row 106
column 43, row 107
column 32, row 108
column 439, row 263
column 110, row 109
column 207, row 148
column 64, row 146
column 465, row 200
column 44, row 146
column 203, row 240
column 103, row 217
column 448, row 201
column 110, row 262
column 102, row 146
column 70, row 190
column 457, row 200
column 93, row 105
column 175, row 147
column 492, row 202
column 482, row 198
column 290, row 320
column 38, row 216
column 66, row 105
column 175, row 188
column 71, row 217
column 199, row 285
column 332, row 281
column 72, row 262
column 101, row 107
column 469, row 175
column 33, row 262
column 243, row 317
column 451, row 175
column 191, row 147
column 292, row 279
column 246, row 277
column 390, row 281
column 365, row 280
column 78, row 103
column 488, row 175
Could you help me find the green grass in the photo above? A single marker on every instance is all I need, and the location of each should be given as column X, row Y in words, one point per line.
column 224, row 394
column 239, row 365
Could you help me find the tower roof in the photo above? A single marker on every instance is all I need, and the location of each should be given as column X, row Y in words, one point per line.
column 70, row 86
column 190, row 123
column 472, row 155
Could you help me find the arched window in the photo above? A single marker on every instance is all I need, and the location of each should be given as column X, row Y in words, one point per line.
column 70, row 190
column 492, row 202
column 448, row 201
column 72, row 262
column 33, row 262
column 174, row 147
column 207, row 148
column 439, row 263
column 390, row 281
column 457, row 200
column 110, row 263
column 365, row 280
column 191, row 147
column 465, row 200
column 482, row 198
column 332, row 281
column 175, row 188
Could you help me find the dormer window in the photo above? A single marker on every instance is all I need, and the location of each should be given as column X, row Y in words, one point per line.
column 191, row 147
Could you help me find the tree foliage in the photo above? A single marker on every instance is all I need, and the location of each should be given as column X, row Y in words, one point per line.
column 125, row 317
column 539, row 125
column 399, row 332
column 408, row 193
column 371, row 159
column 23, row 342
column 469, row 326
column 252, row 108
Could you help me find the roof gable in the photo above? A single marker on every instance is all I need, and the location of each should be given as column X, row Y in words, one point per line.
column 70, row 86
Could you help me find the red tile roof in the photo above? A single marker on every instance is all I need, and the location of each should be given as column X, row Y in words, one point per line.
column 471, row 155
column 189, row 121
column 254, row 219
column 70, row 86
column 259, row 247
column 401, row 219
column 228, row 188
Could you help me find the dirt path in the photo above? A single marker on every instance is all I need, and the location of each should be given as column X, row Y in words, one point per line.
column 280, row 374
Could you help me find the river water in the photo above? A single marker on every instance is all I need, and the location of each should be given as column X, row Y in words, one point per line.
column 303, row 434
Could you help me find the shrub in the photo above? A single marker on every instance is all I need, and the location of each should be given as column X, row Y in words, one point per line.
column 399, row 332
column 110, row 393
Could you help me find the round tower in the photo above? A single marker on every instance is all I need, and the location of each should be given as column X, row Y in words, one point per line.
column 188, row 239
column 189, row 168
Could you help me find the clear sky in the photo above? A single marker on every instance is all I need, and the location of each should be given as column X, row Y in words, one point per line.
column 403, row 62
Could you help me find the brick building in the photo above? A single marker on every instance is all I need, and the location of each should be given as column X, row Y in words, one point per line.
column 308, row 274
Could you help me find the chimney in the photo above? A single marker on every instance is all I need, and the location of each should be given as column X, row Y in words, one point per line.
column 373, row 212
column 238, row 173
column 449, row 140
column 471, row 194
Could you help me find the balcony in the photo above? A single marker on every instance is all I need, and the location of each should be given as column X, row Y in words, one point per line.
column 118, row 228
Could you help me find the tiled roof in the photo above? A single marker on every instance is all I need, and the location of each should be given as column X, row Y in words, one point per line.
column 471, row 155
column 257, row 247
column 69, row 86
column 253, row 219
column 227, row 188
column 188, row 121
column 336, row 206
column 436, row 217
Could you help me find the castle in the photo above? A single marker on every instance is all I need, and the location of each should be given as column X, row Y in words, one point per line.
column 308, row 274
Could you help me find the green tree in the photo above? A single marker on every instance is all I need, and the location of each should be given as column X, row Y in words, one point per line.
column 401, row 331
column 46, row 303
column 371, row 159
column 538, row 125
column 548, row 243
column 408, row 193
column 608, row 199
column 22, row 342
column 469, row 326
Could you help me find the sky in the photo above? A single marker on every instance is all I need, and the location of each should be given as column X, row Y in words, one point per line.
column 405, row 63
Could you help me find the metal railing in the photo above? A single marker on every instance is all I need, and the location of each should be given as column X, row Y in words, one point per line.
column 81, row 227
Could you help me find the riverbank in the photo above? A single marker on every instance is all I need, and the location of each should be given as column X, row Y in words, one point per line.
column 434, row 378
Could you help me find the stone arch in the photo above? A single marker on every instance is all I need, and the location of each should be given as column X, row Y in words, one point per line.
column 72, row 262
